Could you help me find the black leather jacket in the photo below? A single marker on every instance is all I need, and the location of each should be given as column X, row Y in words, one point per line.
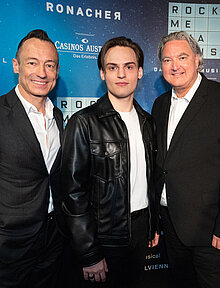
column 96, row 178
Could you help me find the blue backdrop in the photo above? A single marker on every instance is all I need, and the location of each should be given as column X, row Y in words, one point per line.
column 79, row 29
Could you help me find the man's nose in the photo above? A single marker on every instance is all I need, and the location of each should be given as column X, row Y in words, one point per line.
column 41, row 71
column 121, row 72
column 175, row 64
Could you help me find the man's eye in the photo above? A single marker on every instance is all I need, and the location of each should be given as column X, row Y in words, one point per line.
column 51, row 66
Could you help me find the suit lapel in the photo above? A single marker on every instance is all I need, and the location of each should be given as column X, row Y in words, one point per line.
column 59, row 121
column 23, row 125
column 191, row 111
column 165, row 112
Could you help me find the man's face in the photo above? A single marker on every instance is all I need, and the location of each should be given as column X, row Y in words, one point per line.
column 38, row 68
column 179, row 65
column 121, row 71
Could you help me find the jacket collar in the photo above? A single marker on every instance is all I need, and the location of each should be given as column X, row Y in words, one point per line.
column 192, row 110
column 106, row 109
column 20, row 121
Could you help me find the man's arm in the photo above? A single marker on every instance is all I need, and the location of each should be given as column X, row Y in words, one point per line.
column 216, row 233
column 76, row 185
column 216, row 242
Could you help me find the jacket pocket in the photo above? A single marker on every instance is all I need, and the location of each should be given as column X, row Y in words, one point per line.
column 106, row 159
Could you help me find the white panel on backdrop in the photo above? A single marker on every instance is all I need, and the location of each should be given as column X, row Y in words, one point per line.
column 202, row 21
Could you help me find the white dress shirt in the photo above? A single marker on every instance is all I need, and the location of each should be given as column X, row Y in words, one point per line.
column 138, row 176
column 177, row 108
column 46, row 131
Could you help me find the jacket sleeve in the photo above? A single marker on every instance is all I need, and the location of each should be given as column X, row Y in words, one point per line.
column 217, row 221
column 155, row 201
column 75, row 177
column 158, row 171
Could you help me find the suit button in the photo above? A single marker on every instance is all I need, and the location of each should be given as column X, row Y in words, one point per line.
column 165, row 172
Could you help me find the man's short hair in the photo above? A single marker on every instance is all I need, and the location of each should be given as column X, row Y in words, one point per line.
column 122, row 42
column 181, row 35
column 39, row 34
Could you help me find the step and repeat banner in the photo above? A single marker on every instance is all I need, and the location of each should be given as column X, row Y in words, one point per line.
column 80, row 28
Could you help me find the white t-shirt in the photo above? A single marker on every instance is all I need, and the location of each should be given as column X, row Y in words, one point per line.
column 138, row 176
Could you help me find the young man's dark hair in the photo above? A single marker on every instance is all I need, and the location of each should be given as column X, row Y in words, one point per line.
column 37, row 33
column 122, row 42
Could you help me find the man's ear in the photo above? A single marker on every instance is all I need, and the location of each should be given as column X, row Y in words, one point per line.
column 140, row 72
column 15, row 66
column 197, row 61
column 58, row 68
column 102, row 74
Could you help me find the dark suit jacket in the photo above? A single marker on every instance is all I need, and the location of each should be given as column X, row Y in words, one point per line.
column 191, row 166
column 24, row 180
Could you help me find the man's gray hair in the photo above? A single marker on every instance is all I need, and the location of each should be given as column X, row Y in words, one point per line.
column 181, row 35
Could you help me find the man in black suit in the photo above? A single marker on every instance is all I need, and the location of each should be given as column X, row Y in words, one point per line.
column 30, row 131
column 188, row 163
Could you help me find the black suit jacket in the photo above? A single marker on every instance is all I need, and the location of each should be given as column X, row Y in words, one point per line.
column 191, row 166
column 24, row 180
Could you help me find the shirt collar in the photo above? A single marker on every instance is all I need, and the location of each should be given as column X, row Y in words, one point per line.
column 31, row 108
column 189, row 95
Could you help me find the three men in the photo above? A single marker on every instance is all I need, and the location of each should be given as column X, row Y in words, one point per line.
column 188, row 163
column 30, row 130
column 107, row 164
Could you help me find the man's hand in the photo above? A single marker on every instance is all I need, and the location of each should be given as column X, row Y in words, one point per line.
column 216, row 242
column 155, row 241
column 96, row 272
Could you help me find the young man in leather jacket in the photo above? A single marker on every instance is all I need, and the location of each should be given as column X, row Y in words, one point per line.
column 107, row 175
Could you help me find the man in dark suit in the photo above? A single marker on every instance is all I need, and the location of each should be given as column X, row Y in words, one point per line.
column 188, row 164
column 30, row 131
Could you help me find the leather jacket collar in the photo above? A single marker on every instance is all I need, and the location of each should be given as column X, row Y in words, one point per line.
column 106, row 109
